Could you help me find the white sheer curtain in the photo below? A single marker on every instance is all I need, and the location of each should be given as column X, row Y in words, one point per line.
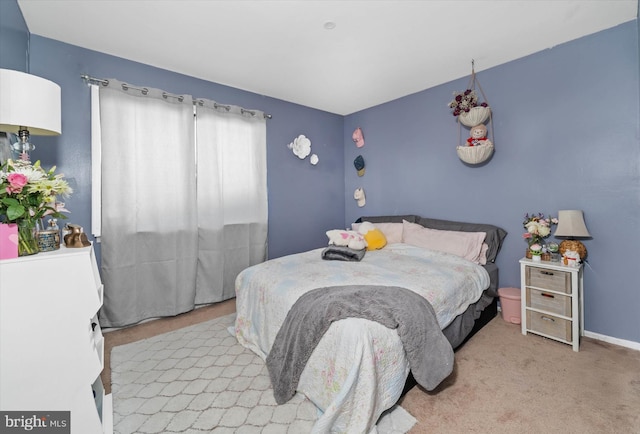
column 232, row 196
column 179, row 221
column 149, row 215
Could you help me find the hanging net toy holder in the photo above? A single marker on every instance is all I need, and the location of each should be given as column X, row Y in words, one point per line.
column 475, row 115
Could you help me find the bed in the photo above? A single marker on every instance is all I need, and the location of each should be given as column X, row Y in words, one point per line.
column 359, row 367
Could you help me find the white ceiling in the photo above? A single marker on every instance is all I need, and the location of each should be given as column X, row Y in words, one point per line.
column 377, row 52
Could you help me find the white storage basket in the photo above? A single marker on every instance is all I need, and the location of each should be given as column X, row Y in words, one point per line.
column 475, row 116
column 475, row 154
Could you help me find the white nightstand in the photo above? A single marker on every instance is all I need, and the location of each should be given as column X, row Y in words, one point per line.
column 551, row 299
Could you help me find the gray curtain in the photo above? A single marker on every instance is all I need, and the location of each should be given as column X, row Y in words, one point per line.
column 183, row 203
column 232, row 196
column 149, row 218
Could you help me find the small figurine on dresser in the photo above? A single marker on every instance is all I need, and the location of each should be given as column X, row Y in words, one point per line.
column 76, row 237
column 571, row 258
column 478, row 136
column 49, row 238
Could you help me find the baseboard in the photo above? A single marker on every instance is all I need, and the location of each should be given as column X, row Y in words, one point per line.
column 611, row 340
column 622, row 342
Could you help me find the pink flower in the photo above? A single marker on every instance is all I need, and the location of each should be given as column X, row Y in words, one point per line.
column 56, row 207
column 526, row 235
column 16, row 182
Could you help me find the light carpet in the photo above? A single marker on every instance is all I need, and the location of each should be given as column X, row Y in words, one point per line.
column 200, row 379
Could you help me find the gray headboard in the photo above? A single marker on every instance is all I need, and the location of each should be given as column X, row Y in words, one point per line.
column 495, row 235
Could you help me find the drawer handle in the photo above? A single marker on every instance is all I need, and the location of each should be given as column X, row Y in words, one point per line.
column 547, row 295
column 548, row 273
column 546, row 318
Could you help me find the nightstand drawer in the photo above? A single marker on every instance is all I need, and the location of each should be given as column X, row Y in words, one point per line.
column 549, row 325
column 549, row 302
column 549, row 279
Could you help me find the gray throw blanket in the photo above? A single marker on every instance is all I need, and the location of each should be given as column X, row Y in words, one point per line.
column 342, row 253
column 429, row 353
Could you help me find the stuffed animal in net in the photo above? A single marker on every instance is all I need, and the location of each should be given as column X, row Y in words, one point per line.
column 478, row 136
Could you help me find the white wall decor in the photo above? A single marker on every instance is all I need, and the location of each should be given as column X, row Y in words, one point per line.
column 301, row 146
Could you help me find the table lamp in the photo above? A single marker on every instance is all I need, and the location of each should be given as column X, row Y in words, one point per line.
column 29, row 105
column 571, row 225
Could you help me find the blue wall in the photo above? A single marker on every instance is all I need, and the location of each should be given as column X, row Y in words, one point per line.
column 566, row 124
column 14, row 37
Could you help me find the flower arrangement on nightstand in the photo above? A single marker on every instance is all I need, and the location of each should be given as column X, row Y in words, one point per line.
column 538, row 227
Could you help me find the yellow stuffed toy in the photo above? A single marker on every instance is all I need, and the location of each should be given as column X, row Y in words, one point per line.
column 374, row 237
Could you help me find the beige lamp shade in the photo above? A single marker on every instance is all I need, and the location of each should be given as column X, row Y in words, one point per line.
column 29, row 102
column 571, row 225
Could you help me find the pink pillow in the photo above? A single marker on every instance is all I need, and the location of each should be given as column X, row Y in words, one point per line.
column 393, row 231
column 467, row 245
column 482, row 260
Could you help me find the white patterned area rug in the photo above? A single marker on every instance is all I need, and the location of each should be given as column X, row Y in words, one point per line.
column 199, row 379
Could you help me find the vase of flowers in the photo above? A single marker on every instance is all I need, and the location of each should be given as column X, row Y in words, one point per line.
column 27, row 237
column 27, row 194
column 538, row 227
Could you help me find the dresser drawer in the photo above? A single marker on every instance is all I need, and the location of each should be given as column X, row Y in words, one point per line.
column 549, row 325
column 549, row 279
column 549, row 302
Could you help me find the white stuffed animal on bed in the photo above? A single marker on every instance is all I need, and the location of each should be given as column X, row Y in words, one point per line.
column 351, row 239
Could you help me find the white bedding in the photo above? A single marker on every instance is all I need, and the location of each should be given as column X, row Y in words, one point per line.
column 358, row 370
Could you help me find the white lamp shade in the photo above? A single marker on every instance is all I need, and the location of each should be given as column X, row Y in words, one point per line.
column 571, row 224
column 31, row 102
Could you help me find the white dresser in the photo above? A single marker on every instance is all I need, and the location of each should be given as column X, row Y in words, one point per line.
column 51, row 345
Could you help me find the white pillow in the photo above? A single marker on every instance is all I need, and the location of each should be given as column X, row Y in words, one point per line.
column 467, row 245
column 391, row 231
